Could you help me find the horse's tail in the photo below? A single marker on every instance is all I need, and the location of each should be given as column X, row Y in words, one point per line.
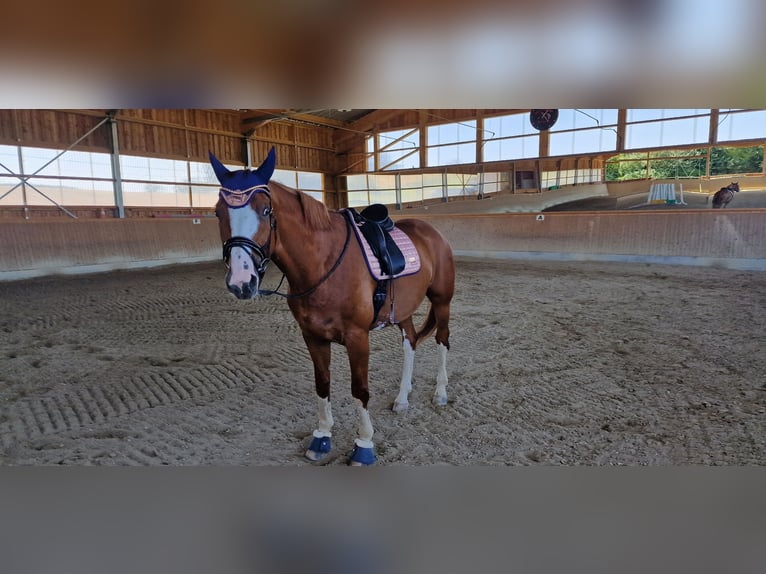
column 427, row 327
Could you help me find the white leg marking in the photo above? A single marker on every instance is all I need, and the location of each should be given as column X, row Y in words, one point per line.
column 440, row 395
column 365, row 426
column 325, row 417
column 401, row 402
column 323, row 430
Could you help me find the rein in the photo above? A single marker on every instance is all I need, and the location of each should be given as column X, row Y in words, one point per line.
column 324, row 278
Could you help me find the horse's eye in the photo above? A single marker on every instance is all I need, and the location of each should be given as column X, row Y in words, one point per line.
column 266, row 211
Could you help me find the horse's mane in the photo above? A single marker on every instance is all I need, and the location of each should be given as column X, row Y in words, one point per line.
column 315, row 213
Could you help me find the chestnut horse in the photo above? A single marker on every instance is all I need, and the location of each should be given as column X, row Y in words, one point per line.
column 723, row 196
column 331, row 289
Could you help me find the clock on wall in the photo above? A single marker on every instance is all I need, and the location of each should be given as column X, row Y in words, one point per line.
column 543, row 119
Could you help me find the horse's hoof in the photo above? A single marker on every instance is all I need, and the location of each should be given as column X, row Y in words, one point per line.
column 362, row 456
column 439, row 400
column 319, row 448
column 400, row 407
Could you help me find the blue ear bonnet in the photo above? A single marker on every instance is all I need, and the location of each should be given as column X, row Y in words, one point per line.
column 244, row 179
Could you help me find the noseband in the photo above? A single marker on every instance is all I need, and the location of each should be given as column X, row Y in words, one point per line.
column 251, row 248
column 237, row 199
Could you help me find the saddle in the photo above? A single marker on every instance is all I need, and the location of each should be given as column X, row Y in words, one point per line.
column 374, row 227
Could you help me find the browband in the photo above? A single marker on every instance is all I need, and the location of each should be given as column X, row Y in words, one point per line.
column 235, row 198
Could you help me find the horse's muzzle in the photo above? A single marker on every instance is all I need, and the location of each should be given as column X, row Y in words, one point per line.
column 243, row 290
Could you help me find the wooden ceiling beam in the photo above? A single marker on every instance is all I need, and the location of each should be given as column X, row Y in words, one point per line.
column 363, row 125
column 253, row 119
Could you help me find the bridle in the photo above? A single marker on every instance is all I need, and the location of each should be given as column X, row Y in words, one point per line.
column 237, row 199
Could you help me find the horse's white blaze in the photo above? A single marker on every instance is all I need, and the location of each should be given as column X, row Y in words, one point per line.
column 440, row 395
column 406, row 383
column 243, row 222
column 325, row 418
column 365, row 426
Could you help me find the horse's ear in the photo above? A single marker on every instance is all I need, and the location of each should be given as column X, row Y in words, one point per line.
column 266, row 169
column 220, row 170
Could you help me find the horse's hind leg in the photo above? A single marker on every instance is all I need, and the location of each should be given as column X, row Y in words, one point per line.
column 441, row 312
column 438, row 314
column 320, row 355
column 401, row 403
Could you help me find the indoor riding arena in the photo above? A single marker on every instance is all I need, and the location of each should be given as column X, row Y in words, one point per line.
column 604, row 312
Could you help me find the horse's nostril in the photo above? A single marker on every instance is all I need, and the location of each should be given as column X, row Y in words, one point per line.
column 235, row 290
column 250, row 289
column 245, row 290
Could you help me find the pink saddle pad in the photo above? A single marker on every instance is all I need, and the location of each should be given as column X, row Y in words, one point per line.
column 403, row 242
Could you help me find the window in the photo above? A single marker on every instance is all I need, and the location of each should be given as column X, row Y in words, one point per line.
column 9, row 164
column 741, row 125
column 364, row 190
column 154, row 169
column 494, row 182
column 515, row 148
column 550, row 178
column 433, row 186
column 204, row 195
column 583, row 141
column 9, row 158
column 358, row 198
column 71, row 177
column 451, row 144
column 308, row 182
column 201, row 172
column 510, row 137
column 69, row 164
column 656, row 130
column 574, row 119
column 139, row 194
column 584, row 131
column 398, row 149
column 638, row 115
column 412, row 188
column 461, row 184
column 382, row 188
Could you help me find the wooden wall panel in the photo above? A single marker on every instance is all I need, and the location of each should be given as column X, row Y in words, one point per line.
column 37, row 248
column 553, row 164
column 226, row 148
column 56, row 129
column 298, row 146
column 177, row 134
column 731, row 237
column 7, row 127
column 698, row 237
column 215, row 120
column 177, row 143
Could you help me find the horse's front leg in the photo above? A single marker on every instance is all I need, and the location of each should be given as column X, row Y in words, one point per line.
column 401, row 402
column 358, row 347
column 320, row 352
